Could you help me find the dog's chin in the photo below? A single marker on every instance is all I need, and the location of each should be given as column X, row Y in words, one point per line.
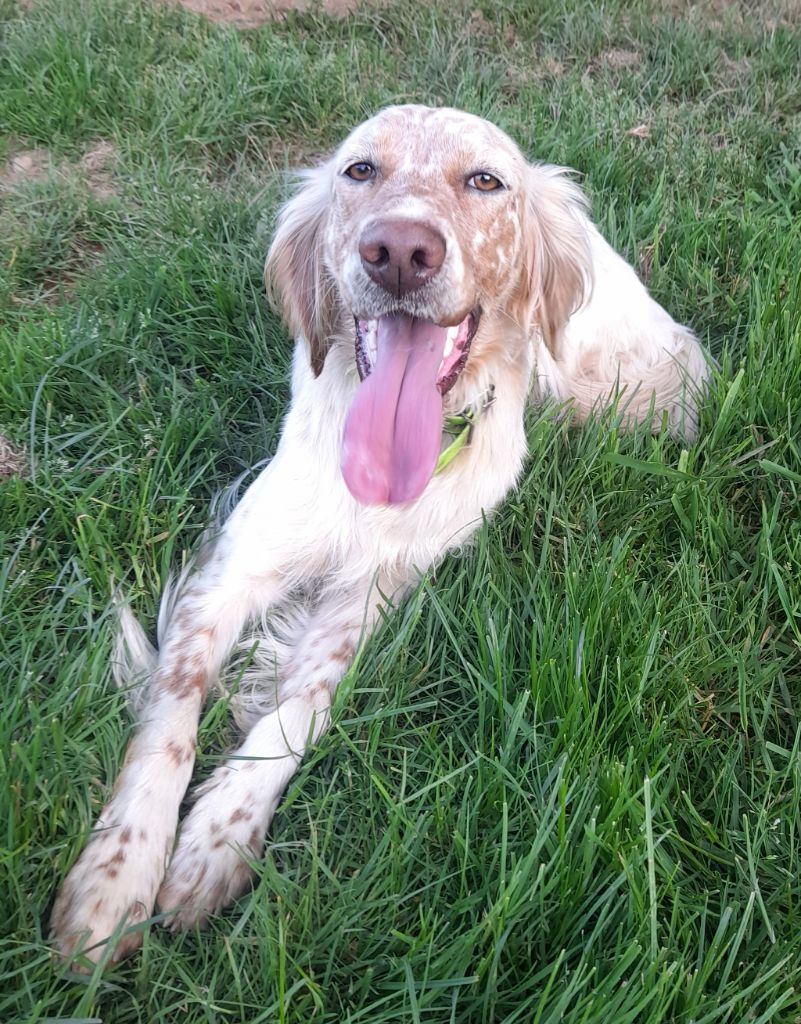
column 459, row 337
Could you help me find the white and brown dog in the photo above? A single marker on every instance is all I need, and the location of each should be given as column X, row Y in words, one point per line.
column 425, row 269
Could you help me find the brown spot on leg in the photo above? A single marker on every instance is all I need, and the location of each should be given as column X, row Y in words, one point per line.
column 344, row 652
column 125, row 835
column 240, row 814
column 180, row 754
column 187, row 681
column 118, row 858
column 175, row 752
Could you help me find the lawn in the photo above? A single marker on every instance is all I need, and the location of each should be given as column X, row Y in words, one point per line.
column 563, row 783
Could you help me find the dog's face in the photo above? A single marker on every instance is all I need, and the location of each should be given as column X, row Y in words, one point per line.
column 443, row 179
column 424, row 223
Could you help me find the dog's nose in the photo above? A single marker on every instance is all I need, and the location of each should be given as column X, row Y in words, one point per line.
column 401, row 255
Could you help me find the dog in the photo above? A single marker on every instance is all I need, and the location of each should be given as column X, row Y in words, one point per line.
column 435, row 281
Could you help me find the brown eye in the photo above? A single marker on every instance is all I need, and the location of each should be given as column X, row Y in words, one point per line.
column 361, row 171
column 484, row 182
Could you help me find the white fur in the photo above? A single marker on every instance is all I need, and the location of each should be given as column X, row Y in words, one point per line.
column 622, row 341
column 307, row 568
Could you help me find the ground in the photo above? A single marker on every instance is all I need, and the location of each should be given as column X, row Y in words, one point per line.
column 250, row 13
column 563, row 783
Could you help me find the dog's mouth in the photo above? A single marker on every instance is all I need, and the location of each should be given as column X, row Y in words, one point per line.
column 454, row 353
column 393, row 430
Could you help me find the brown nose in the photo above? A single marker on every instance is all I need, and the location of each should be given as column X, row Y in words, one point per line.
column 401, row 255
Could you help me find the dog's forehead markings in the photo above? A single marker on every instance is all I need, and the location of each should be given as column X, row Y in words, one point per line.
column 427, row 142
column 419, row 161
column 460, row 129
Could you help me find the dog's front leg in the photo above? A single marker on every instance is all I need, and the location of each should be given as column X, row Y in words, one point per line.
column 226, row 827
column 114, row 882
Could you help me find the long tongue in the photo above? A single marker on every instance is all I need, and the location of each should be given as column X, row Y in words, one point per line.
column 393, row 431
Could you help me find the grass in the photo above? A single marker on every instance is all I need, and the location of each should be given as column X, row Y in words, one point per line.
column 564, row 784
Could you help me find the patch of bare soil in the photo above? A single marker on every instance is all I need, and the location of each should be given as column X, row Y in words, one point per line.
column 92, row 173
column 769, row 14
column 618, row 58
column 12, row 460
column 95, row 164
column 252, row 13
column 27, row 165
column 93, row 169
column 615, row 59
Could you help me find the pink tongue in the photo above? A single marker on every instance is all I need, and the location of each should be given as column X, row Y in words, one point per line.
column 393, row 431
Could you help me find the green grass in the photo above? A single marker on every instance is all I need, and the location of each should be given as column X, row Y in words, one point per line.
column 564, row 785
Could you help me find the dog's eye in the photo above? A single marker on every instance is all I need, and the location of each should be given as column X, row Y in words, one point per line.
column 361, row 171
column 484, row 182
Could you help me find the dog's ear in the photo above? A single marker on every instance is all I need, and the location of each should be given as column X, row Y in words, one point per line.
column 556, row 262
column 295, row 276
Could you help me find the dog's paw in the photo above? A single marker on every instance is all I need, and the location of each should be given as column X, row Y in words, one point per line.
column 111, row 887
column 210, row 867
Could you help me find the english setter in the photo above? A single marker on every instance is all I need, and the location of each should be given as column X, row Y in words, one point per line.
column 433, row 279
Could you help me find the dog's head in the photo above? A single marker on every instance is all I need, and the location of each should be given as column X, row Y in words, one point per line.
column 423, row 222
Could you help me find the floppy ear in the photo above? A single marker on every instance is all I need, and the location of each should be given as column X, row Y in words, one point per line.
column 295, row 276
column 557, row 267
